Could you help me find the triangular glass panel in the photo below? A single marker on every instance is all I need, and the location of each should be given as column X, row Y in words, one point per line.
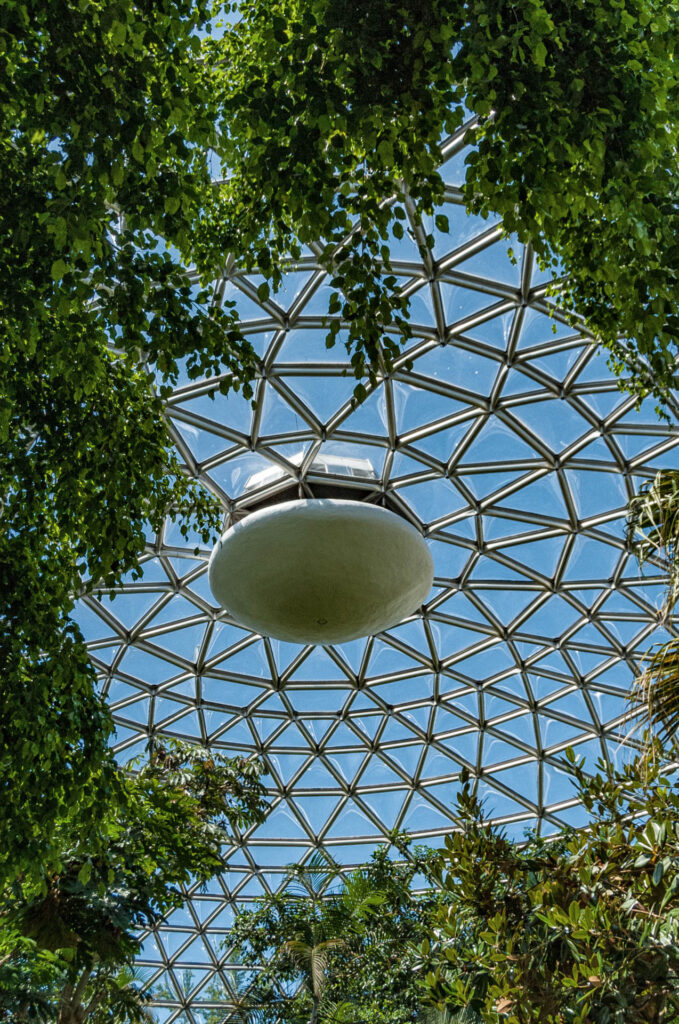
column 202, row 443
column 408, row 757
column 232, row 410
column 350, row 823
column 557, row 364
column 484, row 484
column 145, row 666
column 228, row 693
column 281, row 823
column 423, row 816
column 249, row 661
column 316, row 810
column 369, row 418
column 318, row 666
column 185, row 643
column 248, row 309
column 461, row 367
column 493, row 264
column 596, row 492
column 238, row 734
column 542, row 555
column 442, row 443
column 433, row 499
column 386, row 806
column 130, row 607
column 287, row 765
column 495, row 331
column 378, row 773
column 174, row 610
column 348, row 764
column 507, row 604
column 324, row 396
column 537, row 327
column 278, row 417
column 497, row 442
column 555, row 421
column 416, row 407
column 422, row 307
column 589, row 559
column 496, row 804
column 543, row 495
column 366, row 724
column 385, row 659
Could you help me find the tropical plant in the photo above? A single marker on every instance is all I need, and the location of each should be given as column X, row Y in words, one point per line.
column 69, row 941
column 583, row 929
column 653, row 527
column 653, row 533
column 326, row 116
column 105, row 122
column 338, row 952
column 332, row 116
column 232, row 1008
column 656, row 691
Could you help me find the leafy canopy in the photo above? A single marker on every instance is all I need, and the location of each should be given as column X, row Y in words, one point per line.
column 333, row 111
column 582, row 929
column 652, row 532
column 337, row 951
column 105, row 123
column 66, row 940
column 327, row 116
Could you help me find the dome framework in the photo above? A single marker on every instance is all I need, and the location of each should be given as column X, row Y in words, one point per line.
column 510, row 447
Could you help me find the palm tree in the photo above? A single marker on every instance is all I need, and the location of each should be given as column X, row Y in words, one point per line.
column 114, row 997
column 653, row 532
column 310, row 953
column 656, row 690
column 653, row 527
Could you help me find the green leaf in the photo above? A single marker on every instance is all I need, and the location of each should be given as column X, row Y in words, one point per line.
column 85, row 872
column 59, row 268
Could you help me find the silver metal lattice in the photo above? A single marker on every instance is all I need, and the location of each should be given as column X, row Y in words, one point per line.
column 510, row 446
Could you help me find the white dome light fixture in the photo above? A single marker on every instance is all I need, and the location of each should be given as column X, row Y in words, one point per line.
column 321, row 570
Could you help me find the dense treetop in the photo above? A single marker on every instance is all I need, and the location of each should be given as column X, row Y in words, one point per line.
column 327, row 119
column 105, row 118
column 65, row 940
column 333, row 114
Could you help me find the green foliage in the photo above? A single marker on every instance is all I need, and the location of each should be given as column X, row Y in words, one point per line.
column 66, row 939
column 652, row 532
column 576, row 153
column 106, row 118
column 331, row 952
column 656, row 691
column 653, row 526
column 333, row 112
column 583, row 929
column 327, row 114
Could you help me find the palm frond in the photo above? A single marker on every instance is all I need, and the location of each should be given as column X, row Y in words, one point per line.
column 242, row 1012
column 312, row 960
column 314, row 876
column 653, row 526
column 359, row 896
column 433, row 1015
column 339, row 1013
column 657, row 690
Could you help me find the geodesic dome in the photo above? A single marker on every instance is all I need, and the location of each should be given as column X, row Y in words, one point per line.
column 509, row 445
